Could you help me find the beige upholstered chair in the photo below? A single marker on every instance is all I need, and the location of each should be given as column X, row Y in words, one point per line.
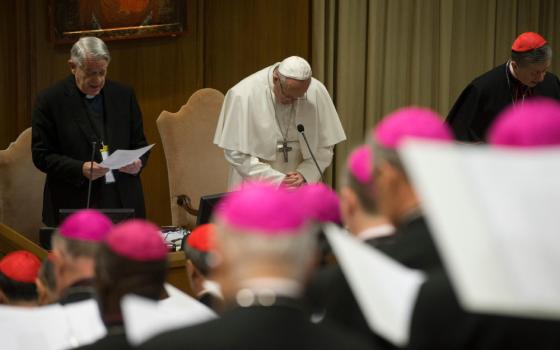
column 21, row 188
column 195, row 166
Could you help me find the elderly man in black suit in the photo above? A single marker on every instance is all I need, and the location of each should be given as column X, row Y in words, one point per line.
column 81, row 116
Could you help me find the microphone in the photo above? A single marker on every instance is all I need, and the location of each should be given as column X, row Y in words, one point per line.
column 93, row 146
column 301, row 130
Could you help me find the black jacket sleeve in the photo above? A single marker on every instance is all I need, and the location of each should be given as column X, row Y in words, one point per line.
column 463, row 115
column 45, row 146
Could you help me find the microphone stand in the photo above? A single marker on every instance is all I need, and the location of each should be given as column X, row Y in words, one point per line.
column 93, row 145
column 301, row 130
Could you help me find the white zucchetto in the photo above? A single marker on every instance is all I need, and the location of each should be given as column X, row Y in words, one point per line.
column 295, row 67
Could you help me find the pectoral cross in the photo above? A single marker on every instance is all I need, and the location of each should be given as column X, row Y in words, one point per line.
column 284, row 148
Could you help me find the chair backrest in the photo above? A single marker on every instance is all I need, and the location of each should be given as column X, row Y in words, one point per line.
column 21, row 188
column 195, row 166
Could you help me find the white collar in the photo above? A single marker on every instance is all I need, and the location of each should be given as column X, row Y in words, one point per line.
column 271, row 83
column 277, row 285
column 212, row 287
column 376, row 232
column 265, row 291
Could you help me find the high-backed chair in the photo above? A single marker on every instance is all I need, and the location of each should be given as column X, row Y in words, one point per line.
column 21, row 188
column 195, row 166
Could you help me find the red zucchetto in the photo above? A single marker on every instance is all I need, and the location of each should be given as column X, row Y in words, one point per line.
column 20, row 266
column 528, row 41
column 202, row 238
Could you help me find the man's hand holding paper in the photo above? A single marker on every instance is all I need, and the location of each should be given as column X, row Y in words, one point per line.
column 126, row 160
column 93, row 170
column 132, row 168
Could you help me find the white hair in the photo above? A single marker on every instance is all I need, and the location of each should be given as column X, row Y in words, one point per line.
column 89, row 46
column 291, row 253
column 74, row 248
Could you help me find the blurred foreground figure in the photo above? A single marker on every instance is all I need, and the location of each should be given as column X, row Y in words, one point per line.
column 75, row 244
column 199, row 247
column 412, row 244
column 321, row 202
column 18, row 271
column 535, row 124
column 439, row 321
column 379, row 193
column 360, row 214
column 323, row 207
column 358, row 202
column 46, row 283
column 262, row 245
column 133, row 260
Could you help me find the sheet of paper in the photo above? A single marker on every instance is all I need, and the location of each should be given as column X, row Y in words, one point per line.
column 53, row 327
column 385, row 290
column 174, row 236
column 84, row 321
column 494, row 215
column 145, row 318
column 123, row 157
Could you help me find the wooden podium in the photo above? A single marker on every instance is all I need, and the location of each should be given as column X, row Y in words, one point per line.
column 10, row 240
column 176, row 272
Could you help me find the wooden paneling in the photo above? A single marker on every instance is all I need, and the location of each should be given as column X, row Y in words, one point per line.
column 225, row 41
column 242, row 36
column 176, row 272
column 164, row 73
column 8, row 78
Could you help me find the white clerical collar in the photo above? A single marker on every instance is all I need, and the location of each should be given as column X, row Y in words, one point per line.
column 271, row 81
column 265, row 291
column 212, row 287
column 280, row 286
column 508, row 64
column 376, row 232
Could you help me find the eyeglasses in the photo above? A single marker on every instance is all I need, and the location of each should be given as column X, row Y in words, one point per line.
column 291, row 98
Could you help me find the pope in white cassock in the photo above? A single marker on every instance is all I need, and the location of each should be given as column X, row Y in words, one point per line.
column 258, row 122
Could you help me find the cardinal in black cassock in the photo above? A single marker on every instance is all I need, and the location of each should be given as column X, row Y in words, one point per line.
column 522, row 77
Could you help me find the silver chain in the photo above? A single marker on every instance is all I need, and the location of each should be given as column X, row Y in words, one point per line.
column 292, row 114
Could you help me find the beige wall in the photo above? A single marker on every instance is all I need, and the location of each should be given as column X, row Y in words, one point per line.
column 379, row 55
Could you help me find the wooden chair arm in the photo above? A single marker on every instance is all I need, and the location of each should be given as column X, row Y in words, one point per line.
column 11, row 240
column 184, row 201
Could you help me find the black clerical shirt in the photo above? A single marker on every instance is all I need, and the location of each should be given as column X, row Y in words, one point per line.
column 486, row 96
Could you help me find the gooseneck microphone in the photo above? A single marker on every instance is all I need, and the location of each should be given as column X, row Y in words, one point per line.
column 301, row 130
column 93, row 146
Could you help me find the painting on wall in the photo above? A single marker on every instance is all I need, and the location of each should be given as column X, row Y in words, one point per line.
column 115, row 19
